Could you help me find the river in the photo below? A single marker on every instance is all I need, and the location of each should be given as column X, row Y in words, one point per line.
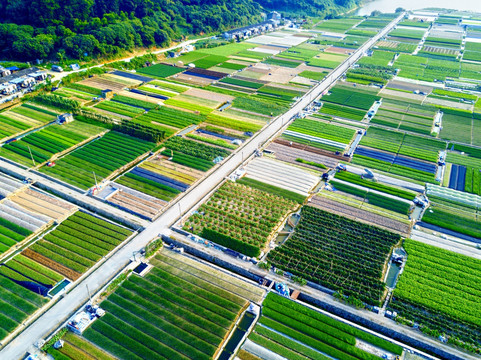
column 389, row 6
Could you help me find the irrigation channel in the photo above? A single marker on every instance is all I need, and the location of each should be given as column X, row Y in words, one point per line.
column 79, row 295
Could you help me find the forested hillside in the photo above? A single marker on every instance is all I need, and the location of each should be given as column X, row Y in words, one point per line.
column 323, row 8
column 58, row 29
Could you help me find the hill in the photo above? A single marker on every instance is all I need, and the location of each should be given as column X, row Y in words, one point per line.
column 85, row 29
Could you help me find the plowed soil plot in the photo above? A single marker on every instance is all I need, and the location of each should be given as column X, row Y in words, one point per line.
column 339, row 50
column 103, row 84
column 358, row 214
column 290, row 155
column 138, row 205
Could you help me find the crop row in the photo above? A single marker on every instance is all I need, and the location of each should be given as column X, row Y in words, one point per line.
column 101, row 156
column 162, row 316
column 453, row 292
column 324, row 246
column 238, row 214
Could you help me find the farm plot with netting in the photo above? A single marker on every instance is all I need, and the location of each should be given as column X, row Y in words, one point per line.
column 282, row 175
column 328, row 249
column 451, row 281
column 171, row 313
column 319, row 134
column 102, row 156
column 23, row 118
column 240, row 217
column 302, row 158
column 9, row 185
column 76, row 244
column 453, row 212
column 293, row 331
column 43, row 144
column 372, row 197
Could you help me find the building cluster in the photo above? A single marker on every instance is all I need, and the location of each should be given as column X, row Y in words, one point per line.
column 13, row 80
column 272, row 22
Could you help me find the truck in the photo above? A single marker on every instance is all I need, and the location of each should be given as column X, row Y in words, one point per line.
column 57, row 68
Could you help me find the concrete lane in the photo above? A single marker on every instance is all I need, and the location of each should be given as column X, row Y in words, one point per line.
column 49, row 321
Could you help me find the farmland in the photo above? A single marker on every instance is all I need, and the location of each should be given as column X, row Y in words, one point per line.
column 102, row 156
column 22, row 118
column 11, row 234
column 450, row 279
column 328, row 242
column 294, row 331
column 43, row 144
column 319, row 134
column 343, row 96
column 17, row 303
column 240, row 217
column 76, row 244
column 173, row 312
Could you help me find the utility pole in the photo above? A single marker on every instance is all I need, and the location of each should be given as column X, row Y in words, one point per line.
column 95, row 177
column 88, row 291
column 31, row 155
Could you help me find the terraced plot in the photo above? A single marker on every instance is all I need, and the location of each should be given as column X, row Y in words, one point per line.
column 76, row 244
column 101, row 157
column 170, row 313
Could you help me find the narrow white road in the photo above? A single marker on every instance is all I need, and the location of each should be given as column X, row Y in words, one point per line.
column 58, row 313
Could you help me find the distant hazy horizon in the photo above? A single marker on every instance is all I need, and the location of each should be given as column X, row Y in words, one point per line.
column 390, row 6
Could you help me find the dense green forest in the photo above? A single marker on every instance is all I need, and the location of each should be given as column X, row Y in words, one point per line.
column 84, row 29
column 322, row 8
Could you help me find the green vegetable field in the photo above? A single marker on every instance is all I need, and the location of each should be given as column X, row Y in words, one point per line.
column 169, row 313
column 439, row 290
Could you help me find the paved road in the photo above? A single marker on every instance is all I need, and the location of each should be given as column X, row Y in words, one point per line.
column 57, row 76
column 58, row 313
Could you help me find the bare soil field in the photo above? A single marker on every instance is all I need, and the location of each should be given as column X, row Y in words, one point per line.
column 281, row 75
column 209, row 95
